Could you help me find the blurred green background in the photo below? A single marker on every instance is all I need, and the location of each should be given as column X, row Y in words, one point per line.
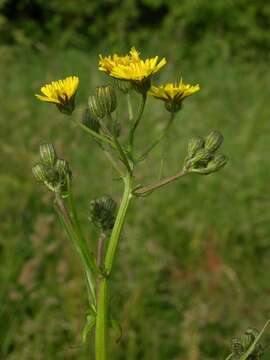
column 192, row 270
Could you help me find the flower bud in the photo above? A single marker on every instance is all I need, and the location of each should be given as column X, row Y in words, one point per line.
column 96, row 111
column 39, row 172
column 102, row 212
column 47, row 154
column 218, row 162
column 62, row 167
column 213, row 141
column 200, row 159
column 240, row 345
column 90, row 121
column 195, row 144
column 105, row 100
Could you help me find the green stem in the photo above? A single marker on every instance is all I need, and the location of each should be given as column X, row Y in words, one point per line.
column 119, row 147
column 101, row 321
column 95, row 135
column 102, row 303
column 136, row 123
column 158, row 140
column 119, row 222
column 88, row 260
column 253, row 345
column 141, row 191
column 130, row 110
column 229, row 357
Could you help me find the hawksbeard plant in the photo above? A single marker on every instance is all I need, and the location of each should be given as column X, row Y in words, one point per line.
column 130, row 74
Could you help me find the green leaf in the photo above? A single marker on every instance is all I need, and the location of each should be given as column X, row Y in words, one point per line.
column 90, row 323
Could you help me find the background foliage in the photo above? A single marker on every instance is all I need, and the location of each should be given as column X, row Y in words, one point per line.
column 192, row 271
column 228, row 26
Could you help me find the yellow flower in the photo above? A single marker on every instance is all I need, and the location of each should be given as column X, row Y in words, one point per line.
column 61, row 93
column 131, row 67
column 173, row 94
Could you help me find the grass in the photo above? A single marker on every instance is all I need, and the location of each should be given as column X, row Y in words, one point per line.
column 192, row 269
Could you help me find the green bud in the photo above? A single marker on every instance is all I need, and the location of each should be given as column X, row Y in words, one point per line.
column 213, row 141
column 218, row 162
column 241, row 345
column 173, row 106
column 90, row 121
column 123, row 85
column 195, row 144
column 39, row 172
column 200, row 159
column 94, row 107
column 106, row 99
column 102, row 212
column 47, row 154
column 62, row 167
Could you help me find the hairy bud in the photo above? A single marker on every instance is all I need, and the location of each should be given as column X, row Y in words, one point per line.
column 52, row 172
column 200, row 159
column 90, row 121
column 195, row 144
column 213, row 141
column 102, row 212
column 39, row 172
column 62, row 167
column 47, row 154
column 241, row 345
column 218, row 162
column 107, row 98
column 95, row 110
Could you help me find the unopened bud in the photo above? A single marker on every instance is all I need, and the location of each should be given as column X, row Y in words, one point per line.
column 90, row 121
column 62, row 167
column 201, row 158
column 102, row 212
column 218, row 162
column 95, row 110
column 242, row 344
column 39, row 172
column 47, row 154
column 213, row 141
column 195, row 144
column 104, row 102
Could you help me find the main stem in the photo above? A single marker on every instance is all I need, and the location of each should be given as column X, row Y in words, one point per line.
column 102, row 302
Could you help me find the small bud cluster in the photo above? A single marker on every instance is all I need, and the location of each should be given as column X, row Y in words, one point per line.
column 202, row 157
column 54, row 173
column 102, row 212
column 240, row 346
column 103, row 102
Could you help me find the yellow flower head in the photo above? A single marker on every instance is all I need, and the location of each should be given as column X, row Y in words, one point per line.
column 130, row 67
column 173, row 94
column 61, row 93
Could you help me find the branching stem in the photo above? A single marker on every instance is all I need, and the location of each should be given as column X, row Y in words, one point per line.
column 142, row 191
